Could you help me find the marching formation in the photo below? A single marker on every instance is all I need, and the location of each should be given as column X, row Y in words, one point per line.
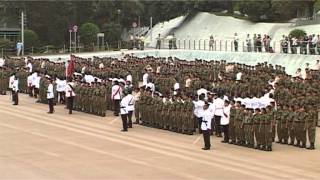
column 251, row 106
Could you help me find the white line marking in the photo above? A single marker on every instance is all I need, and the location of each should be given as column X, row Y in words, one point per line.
column 114, row 120
column 197, row 140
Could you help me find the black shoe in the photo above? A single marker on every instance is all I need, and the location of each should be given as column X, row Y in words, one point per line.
column 303, row 145
column 15, row 104
column 224, row 141
column 311, row 147
column 122, row 130
column 279, row 142
column 49, row 112
column 205, row 148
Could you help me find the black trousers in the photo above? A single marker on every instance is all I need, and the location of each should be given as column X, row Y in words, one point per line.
column 62, row 97
column 130, row 119
column 12, row 95
column 15, row 97
column 217, row 120
column 50, row 102
column 36, row 92
column 31, row 91
column 116, row 106
column 206, row 138
column 225, row 129
column 70, row 104
column 124, row 118
column 199, row 120
column 236, row 46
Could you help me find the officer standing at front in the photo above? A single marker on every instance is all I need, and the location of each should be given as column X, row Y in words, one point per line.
column 70, row 94
column 124, row 112
column 206, row 125
column 15, row 91
column 50, row 96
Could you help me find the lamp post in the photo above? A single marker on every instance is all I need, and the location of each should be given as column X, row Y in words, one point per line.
column 119, row 12
column 70, row 39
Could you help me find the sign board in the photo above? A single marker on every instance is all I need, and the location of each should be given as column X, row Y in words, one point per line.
column 100, row 35
column 134, row 24
column 75, row 28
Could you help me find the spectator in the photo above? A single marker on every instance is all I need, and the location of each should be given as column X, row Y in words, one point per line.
column 248, row 41
column 236, row 42
column 259, row 43
column 211, row 42
column 255, row 39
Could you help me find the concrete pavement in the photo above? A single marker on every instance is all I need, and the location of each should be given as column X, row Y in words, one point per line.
column 35, row 145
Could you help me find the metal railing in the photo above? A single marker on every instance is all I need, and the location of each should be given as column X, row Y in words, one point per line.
column 229, row 46
column 43, row 50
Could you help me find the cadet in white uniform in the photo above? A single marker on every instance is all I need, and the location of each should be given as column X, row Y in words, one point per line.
column 29, row 82
column 206, row 125
column 225, row 119
column 70, row 94
column 198, row 111
column 116, row 93
column 50, row 96
column 130, row 107
column 219, row 104
column 124, row 112
column 15, row 91
column 11, row 81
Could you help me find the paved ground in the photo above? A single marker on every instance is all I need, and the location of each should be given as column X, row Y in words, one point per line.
column 35, row 145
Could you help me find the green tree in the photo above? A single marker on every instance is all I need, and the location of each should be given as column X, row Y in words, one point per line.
column 112, row 33
column 30, row 38
column 88, row 33
column 256, row 10
column 298, row 33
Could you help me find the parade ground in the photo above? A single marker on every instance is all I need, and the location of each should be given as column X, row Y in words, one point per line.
column 35, row 145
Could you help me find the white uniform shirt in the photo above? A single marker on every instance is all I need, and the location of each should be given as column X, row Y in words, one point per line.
column 116, row 92
column 131, row 101
column 238, row 76
column 50, row 94
column 198, row 108
column 11, row 81
column 89, row 78
column 29, row 80
column 15, row 85
column 124, row 105
column 225, row 119
column 61, row 85
column 129, row 78
column 145, row 79
column 206, row 119
column 219, row 104
column 37, row 82
column 83, row 70
column 34, row 78
column 29, row 65
column 151, row 86
column 188, row 82
column 69, row 90
column 212, row 107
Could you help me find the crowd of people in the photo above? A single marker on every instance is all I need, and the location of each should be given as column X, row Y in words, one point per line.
column 308, row 44
column 249, row 105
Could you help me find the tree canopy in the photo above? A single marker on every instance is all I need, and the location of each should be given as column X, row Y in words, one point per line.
column 52, row 19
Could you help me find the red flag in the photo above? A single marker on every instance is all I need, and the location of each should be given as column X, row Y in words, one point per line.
column 71, row 66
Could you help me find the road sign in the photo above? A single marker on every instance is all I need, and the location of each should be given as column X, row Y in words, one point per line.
column 134, row 24
column 75, row 28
